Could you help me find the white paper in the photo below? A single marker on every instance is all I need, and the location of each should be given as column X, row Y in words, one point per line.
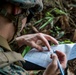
column 43, row 58
column 72, row 53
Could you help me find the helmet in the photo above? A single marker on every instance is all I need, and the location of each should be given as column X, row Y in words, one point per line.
column 26, row 4
column 32, row 6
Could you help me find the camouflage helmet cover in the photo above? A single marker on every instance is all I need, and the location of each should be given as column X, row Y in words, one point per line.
column 26, row 4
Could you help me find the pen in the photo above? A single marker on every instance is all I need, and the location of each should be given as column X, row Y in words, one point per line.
column 59, row 66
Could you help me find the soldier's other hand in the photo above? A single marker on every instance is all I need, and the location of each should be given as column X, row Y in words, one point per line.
column 52, row 68
column 34, row 40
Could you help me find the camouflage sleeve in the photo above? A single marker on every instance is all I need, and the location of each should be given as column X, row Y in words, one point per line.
column 13, row 70
column 14, row 46
column 17, row 70
column 36, row 72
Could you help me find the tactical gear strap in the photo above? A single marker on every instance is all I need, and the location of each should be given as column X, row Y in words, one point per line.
column 22, row 16
column 4, row 13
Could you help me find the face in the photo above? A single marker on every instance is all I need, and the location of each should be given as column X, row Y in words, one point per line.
column 15, row 10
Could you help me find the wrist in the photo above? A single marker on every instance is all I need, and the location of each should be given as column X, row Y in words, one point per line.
column 19, row 41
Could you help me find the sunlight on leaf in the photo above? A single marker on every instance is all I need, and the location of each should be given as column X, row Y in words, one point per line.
column 50, row 20
column 59, row 11
column 27, row 48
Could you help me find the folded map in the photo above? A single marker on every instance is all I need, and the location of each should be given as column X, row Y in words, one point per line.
column 43, row 58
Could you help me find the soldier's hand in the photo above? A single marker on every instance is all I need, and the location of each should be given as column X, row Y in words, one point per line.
column 34, row 40
column 52, row 68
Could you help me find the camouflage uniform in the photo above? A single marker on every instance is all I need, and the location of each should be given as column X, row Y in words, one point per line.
column 13, row 68
column 10, row 67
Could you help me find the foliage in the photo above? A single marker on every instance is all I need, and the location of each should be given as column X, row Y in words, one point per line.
column 57, row 19
column 65, row 42
column 27, row 48
column 49, row 17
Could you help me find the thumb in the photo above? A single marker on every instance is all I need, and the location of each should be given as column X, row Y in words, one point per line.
column 54, row 61
column 52, row 67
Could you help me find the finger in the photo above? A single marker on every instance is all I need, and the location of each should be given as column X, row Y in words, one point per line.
column 59, row 53
column 34, row 45
column 57, row 72
column 54, row 61
column 44, row 40
column 38, row 47
column 54, row 58
column 39, row 42
column 52, row 67
column 62, row 58
column 50, row 38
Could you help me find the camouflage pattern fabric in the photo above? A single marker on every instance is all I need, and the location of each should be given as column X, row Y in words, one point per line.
column 20, row 50
column 17, row 70
column 72, row 66
column 14, row 46
column 36, row 72
column 13, row 70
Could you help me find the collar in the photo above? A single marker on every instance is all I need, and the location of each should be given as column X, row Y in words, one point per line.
column 4, row 43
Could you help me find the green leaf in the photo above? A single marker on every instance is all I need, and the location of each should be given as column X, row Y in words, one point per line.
column 60, row 34
column 50, row 20
column 48, row 14
column 27, row 48
column 38, row 21
column 72, row 5
column 47, row 17
column 59, row 11
column 41, row 20
column 66, row 42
